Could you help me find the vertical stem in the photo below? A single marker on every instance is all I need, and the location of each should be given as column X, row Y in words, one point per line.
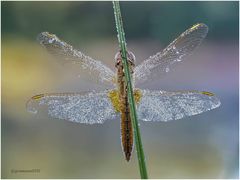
column 137, row 135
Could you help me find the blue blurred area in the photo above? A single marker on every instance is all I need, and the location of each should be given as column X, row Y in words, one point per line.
column 202, row 146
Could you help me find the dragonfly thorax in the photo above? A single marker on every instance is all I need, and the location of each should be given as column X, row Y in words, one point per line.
column 130, row 57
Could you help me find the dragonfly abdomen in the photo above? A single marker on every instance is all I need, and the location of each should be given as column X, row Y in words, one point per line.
column 126, row 130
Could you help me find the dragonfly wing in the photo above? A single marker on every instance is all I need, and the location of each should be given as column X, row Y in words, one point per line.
column 65, row 51
column 166, row 106
column 179, row 48
column 88, row 108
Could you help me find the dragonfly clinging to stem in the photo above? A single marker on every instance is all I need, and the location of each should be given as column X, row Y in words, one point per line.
column 97, row 107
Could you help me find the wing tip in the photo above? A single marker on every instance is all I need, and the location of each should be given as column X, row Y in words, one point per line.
column 199, row 26
column 46, row 37
column 31, row 104
column 42, row 36
column 217, row 101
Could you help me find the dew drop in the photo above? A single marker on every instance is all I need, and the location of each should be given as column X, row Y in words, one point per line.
column 51, row 40
column 32, row 110
column 168, row 48
column 167, row 69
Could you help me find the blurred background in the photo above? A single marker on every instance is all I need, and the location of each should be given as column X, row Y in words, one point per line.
column 201, row 146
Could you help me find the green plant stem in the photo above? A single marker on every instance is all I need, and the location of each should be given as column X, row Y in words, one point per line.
column 137, row 134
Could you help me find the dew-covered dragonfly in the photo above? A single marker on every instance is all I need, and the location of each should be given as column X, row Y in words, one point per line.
column 97, row 107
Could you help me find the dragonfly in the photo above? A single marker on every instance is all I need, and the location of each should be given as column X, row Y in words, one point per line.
column 151, row 105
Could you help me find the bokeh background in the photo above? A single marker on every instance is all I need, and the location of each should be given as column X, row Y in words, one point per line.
column 202, row 146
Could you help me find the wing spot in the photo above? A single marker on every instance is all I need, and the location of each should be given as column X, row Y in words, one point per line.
column 39, row 96
column 195, row 26
column 207, row 93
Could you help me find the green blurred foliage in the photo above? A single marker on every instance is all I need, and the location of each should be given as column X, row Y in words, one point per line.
column 88, row 20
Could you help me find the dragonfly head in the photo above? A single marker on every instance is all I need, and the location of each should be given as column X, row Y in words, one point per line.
column 130, row 57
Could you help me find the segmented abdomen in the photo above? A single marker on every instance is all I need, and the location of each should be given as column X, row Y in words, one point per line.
column 126, row 130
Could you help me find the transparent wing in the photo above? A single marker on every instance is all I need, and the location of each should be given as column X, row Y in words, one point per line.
column 65, row 51
column 179, row 48
column 166, row 106
column 88, row 108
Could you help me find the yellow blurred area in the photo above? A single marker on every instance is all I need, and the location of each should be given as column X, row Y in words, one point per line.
column 25, row 69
